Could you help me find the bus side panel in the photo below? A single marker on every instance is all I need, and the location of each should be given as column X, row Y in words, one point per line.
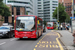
column 39, row 27
column 25, row 34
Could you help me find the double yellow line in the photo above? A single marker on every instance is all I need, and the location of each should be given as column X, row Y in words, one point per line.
column 61, row 48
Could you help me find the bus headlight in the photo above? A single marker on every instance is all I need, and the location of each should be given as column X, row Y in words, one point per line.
column 16, row 32
column 33, row 33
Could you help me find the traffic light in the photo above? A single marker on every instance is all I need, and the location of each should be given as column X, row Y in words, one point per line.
column 58, row 21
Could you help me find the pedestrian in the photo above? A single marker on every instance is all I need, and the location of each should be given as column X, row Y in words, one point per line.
column 61, row 26
column 74, row 37
column 58, row 26
column 67, row 27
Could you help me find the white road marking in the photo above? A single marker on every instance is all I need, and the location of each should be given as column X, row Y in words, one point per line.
column 12, row 39
column 2, row 43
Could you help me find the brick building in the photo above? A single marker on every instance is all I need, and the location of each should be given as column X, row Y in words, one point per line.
column 15, row 10
column 68, row 5
column 74, row 8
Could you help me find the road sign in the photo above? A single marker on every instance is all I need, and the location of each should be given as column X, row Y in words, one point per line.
column 58, row 21
column 72, row 17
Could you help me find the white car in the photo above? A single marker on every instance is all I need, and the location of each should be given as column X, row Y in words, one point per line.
column 6, row 31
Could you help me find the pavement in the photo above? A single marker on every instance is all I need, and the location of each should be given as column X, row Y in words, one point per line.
column 67, row 39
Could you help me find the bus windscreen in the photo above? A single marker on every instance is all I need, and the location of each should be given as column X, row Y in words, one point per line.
column 50, row 24
column 25, row 23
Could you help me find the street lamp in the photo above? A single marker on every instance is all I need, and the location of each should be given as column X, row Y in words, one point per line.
column 58, row 14
column 72, row 9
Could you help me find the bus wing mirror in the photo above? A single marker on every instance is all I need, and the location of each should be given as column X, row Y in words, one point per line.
column 14, row 21
column 38, row 21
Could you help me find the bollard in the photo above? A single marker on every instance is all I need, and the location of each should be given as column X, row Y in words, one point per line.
column 74, row 37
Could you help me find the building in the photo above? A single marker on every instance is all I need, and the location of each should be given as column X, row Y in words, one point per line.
column 45, row 9
column 21, row 3
column 17, row 7
column 49, row 7
column 68, row 5
column 74, row 8
column 14, row 11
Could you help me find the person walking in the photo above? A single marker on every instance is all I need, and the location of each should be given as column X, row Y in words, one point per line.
column 67, row 27
column 61, row 26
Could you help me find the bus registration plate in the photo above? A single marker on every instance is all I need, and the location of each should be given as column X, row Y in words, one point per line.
column 25, row 37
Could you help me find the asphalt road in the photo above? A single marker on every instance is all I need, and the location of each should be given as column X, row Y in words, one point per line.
column 48, row 41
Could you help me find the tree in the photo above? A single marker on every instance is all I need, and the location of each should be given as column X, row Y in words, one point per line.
column 26, row 13
column 67, row 20
column 62, row 14
column 4, row 10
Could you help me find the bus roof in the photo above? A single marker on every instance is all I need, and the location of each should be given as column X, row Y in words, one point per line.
column 25, row 15
column 29, row 15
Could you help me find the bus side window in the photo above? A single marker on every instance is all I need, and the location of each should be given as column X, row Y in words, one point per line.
column 39, row 22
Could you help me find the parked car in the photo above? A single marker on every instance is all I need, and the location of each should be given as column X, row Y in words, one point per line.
column 44, row 28
column 6, row 31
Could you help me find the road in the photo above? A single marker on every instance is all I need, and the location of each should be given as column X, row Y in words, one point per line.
column 48, row 41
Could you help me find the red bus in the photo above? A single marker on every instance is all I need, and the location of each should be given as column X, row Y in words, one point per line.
column 28, row 26
column 51, row 25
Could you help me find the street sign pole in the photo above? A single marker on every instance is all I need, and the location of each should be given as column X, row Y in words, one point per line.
column 72, row 16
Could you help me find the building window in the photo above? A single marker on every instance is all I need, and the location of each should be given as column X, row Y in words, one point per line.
column 53, row 7
column 55, row 1
column 12, row 10
column 18, row 2
column 18, row 10
column 47, row 5
column 39, row 5
column 54, row 4
column 39, row 0
column 39, row 8
column 47, row 2
column 6, row 19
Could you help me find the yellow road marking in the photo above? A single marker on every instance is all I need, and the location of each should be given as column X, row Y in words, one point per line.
column 56, row 46
column 38, row 43
column 61, row 48
column 34, row 49
column 43, row 45
column 53, row 46
column 43, row 41
column 50, row 46
column 51, row 30
column 36, row 46
column 46, row 46
column 47, row 41
column 50, row 42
